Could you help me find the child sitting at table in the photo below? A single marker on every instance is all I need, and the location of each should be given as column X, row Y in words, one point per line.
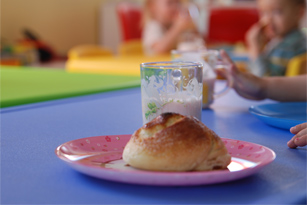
column 276, row 38
column 277, row 88
column 164, row 23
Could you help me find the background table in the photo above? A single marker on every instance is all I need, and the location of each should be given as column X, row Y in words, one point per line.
column 112, row 65
column 129, row 65
column 32, row 174
column 22, row 85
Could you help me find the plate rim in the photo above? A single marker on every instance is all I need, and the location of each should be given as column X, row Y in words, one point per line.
column 252, row 110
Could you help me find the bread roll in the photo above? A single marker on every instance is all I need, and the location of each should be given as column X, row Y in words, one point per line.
column 173, row 142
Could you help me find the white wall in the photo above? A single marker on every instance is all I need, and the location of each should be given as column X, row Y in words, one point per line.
column 61, row 23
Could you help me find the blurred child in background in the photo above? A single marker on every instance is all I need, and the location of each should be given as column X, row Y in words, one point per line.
column 165, row 21
column 276, row 38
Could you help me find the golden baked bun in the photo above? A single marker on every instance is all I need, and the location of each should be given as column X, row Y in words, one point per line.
column 173, row 142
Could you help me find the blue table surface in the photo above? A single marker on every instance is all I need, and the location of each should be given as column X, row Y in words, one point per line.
column 32, row 174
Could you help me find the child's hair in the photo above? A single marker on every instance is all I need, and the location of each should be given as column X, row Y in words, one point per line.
column 299, row 2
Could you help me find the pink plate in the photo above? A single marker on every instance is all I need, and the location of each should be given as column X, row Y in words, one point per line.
column 101, row 157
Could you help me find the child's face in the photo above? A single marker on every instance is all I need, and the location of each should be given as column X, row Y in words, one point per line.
column 165, row 11
column 279, row 16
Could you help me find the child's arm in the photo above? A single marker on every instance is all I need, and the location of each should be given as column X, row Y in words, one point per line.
column 275, row 88
column 256, row 41
column 286, row 88
column 169, row 40
column 250, row 86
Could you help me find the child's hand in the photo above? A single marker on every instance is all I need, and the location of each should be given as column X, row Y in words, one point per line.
column 245, row 84
column 256, row 39
column 300, row 138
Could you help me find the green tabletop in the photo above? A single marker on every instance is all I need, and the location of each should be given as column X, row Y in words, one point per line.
column 30, row 85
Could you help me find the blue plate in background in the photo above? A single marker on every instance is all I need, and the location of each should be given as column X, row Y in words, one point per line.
column 281, row 115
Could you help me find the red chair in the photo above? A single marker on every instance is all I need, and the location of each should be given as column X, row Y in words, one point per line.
column 229, row 25
column 130, row 16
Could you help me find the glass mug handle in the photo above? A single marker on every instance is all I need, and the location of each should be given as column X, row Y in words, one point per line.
column 209, row 95
column 222, row 65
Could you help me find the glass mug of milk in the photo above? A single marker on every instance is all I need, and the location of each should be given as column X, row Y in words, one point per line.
column 211, row 62
column 171, row 87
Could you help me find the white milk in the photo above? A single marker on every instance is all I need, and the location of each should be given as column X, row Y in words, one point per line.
column 185, row 105
column 191, row 107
